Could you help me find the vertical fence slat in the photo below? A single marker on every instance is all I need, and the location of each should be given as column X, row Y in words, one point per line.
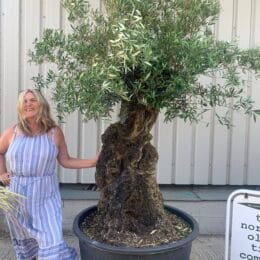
column 89, row 148
column 202, row 151
column 183, row 152
column 30, row 29
column 165, row 151
column 239, row 141
column 10, row 60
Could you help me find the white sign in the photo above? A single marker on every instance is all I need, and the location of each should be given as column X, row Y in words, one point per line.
column 243, row 226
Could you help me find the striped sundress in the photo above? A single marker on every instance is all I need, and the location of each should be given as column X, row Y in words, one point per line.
column 36, row 225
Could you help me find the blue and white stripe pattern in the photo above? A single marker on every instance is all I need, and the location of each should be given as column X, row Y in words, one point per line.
column 36, row 225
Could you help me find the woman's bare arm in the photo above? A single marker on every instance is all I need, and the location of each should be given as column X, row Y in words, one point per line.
column 65, row 159
column 4, row 144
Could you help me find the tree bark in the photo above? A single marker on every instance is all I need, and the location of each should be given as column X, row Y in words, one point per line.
column 130, row 199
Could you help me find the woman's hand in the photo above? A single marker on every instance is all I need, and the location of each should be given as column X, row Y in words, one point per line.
column 97, row 157
column 5, row 178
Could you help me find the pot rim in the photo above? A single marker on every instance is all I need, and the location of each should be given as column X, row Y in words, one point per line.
column 126, row 250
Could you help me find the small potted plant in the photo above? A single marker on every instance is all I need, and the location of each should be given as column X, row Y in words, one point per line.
column 146, row 56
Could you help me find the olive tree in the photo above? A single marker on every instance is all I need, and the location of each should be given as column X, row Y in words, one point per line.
column 147, row 56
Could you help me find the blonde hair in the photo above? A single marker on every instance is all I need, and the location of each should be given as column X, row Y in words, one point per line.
column 44, row 119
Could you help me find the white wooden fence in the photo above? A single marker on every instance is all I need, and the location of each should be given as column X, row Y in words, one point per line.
column 189, row 154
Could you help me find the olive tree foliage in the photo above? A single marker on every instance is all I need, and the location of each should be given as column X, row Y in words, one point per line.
column 149, row 52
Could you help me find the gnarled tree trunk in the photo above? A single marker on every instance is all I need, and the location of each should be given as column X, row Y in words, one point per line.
column 130, row 199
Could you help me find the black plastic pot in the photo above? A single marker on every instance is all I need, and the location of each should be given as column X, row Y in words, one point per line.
column 94, row 250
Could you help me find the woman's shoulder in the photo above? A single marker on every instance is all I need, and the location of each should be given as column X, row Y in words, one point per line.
column 10, row 131
column 58, row 135
column 57, row 130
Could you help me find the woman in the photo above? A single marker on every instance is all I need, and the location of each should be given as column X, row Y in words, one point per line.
column 31, row 148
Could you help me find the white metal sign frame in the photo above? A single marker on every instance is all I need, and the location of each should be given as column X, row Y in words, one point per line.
column 249, row 196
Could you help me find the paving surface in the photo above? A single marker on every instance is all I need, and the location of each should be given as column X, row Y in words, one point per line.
column 205, row 247
column 208, row 247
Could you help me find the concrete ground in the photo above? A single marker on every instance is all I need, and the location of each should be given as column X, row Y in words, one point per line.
column 205, row 247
